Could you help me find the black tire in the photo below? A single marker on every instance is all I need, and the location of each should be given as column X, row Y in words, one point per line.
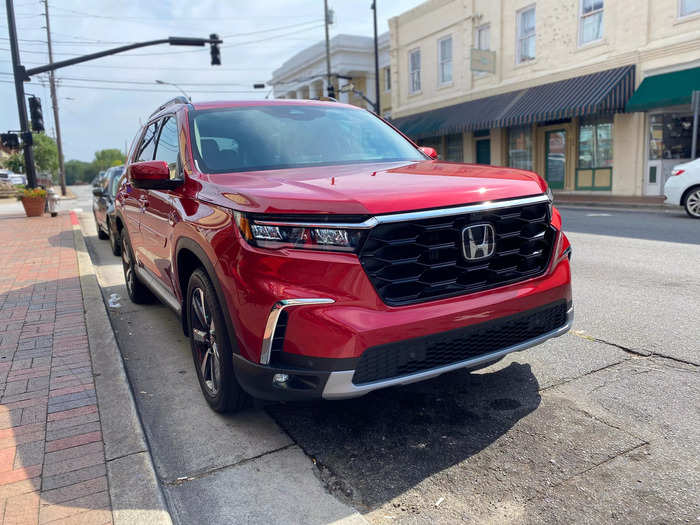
column 138, row 293
column 100, row 234
column 211, row 348
column 115, row 241
column 692, row 203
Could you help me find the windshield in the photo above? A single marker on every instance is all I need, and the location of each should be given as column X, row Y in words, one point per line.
column 289, row 136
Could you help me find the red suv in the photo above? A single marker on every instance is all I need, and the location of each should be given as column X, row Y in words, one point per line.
column 313, row 251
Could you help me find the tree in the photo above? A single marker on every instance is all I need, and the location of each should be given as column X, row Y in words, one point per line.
column 106, row 158
column 78, row 171
column 45, row 156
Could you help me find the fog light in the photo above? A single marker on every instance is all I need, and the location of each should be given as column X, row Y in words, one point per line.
column 280, row 379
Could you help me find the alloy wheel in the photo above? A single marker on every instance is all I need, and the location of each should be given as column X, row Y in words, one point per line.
column 205, row 344
column 128, row 267
column 692, row 203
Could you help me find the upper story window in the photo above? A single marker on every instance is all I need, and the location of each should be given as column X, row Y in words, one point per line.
column 482, row 38
column 591, row 21
column 526, row 35
column 445, row 60
column 387, row 78
column 414, row 71
column 689, row 7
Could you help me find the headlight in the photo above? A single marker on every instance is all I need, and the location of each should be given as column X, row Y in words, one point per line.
column 270, row 234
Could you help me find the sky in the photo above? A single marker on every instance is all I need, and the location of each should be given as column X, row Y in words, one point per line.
column 101, row 102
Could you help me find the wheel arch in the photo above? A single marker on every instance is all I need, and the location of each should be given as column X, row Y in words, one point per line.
column 189, row 256
column 687, row 192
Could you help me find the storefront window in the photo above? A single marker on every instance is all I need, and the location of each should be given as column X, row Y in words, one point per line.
column 520, row 147
column 595, row 144
column 454, row 147
column 670, row 136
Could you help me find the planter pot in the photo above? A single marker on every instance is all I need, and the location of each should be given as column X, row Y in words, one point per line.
column 34, row 206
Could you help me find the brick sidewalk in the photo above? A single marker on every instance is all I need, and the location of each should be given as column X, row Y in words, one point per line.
column 52, row 463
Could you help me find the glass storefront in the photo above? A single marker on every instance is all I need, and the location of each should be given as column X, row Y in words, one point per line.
column 454, row 148
column 595, row 143
column 670, row 136
column 520, row 147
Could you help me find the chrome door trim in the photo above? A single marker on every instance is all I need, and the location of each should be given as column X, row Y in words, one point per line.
column 274, row 316
column 340, row 385
column 413, row 215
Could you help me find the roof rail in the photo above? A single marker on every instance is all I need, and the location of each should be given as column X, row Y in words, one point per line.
column 176, row 100
column 323, row 98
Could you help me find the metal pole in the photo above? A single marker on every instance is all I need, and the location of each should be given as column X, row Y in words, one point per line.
column 696, row 110
column 176, row 87
column 18, row 71
column 376, row 61
column 54, row 103
column 329, row 88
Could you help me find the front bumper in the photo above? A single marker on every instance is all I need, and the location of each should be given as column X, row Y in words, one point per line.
column 327, row 382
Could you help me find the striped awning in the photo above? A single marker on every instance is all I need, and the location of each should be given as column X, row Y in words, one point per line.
column 598, row 93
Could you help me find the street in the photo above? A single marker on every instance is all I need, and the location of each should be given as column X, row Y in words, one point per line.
column 599, row 425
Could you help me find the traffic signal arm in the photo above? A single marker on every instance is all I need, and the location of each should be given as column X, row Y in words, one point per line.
column 173, row 41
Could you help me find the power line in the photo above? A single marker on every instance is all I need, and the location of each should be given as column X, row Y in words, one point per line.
column 153, row 68
column 159, row 19
column 103, row 88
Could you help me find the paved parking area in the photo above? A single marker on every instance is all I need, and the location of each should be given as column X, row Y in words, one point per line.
column 600, row 425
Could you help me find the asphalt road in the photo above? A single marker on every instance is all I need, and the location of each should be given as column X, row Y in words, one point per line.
column 601, row 425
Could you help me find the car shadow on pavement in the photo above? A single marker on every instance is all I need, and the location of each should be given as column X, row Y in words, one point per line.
column 371, row 449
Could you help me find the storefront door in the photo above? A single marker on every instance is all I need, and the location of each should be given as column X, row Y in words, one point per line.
column 555, row 158
column 483, row 151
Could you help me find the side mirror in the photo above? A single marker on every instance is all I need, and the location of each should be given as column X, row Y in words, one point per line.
column 430, row 152
column 151, row 175
column 97, row 191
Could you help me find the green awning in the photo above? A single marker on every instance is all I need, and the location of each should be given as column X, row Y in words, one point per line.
column 669, row 89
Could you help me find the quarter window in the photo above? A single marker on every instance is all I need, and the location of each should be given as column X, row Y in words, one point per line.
column 526, row 35
column 168, row 148
column 689, row 7
column 148, row 143
column 414, row 71
column 445, row 60
column 591, row 21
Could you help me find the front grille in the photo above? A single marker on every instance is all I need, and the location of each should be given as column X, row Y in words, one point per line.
column 424, row 353
column 420, row 260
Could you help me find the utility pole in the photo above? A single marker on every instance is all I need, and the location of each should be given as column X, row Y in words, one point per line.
column 376, row 61
column 330, row 89
column 54, row 103
column 20, row 74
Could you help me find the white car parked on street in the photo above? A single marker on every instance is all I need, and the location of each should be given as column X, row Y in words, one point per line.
column 12, row 178
column 683, row 187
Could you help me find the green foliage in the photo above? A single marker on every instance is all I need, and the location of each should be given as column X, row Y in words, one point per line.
column 107, row 158
column 45, row 154
column 15, row 162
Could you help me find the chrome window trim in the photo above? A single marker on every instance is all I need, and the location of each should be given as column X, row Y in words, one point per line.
column 415, row 215
column 273, row 318
column 340, row 385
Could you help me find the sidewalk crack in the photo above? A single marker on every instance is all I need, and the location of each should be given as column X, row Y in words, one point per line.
column 207, row 472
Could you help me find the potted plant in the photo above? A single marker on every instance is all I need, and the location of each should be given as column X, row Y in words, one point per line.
column 33, row 200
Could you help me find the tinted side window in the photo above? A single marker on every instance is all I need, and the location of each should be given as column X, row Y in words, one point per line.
column 148, row 143
column 168, row 147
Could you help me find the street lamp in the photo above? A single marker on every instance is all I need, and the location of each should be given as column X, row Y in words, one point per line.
column 176, row 87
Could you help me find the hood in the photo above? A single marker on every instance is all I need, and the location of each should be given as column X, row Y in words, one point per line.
column 368, row 189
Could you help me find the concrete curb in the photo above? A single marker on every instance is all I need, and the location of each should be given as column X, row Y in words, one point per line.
column 133, row 486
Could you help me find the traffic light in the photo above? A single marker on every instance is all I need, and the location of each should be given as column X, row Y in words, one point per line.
column 37, row 117
column 215, row 51
column 10, row 140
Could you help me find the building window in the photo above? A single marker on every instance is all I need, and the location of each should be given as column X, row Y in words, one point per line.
column 387, row 78
column 454, row 148
column 595, row 143
column 482, row 38
column 689, row 7
column 520, row 147
column 591, row 21
column 414, row 71
column 432, row 142
column 671, row 136
column 526, row 35
column 445, row 60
